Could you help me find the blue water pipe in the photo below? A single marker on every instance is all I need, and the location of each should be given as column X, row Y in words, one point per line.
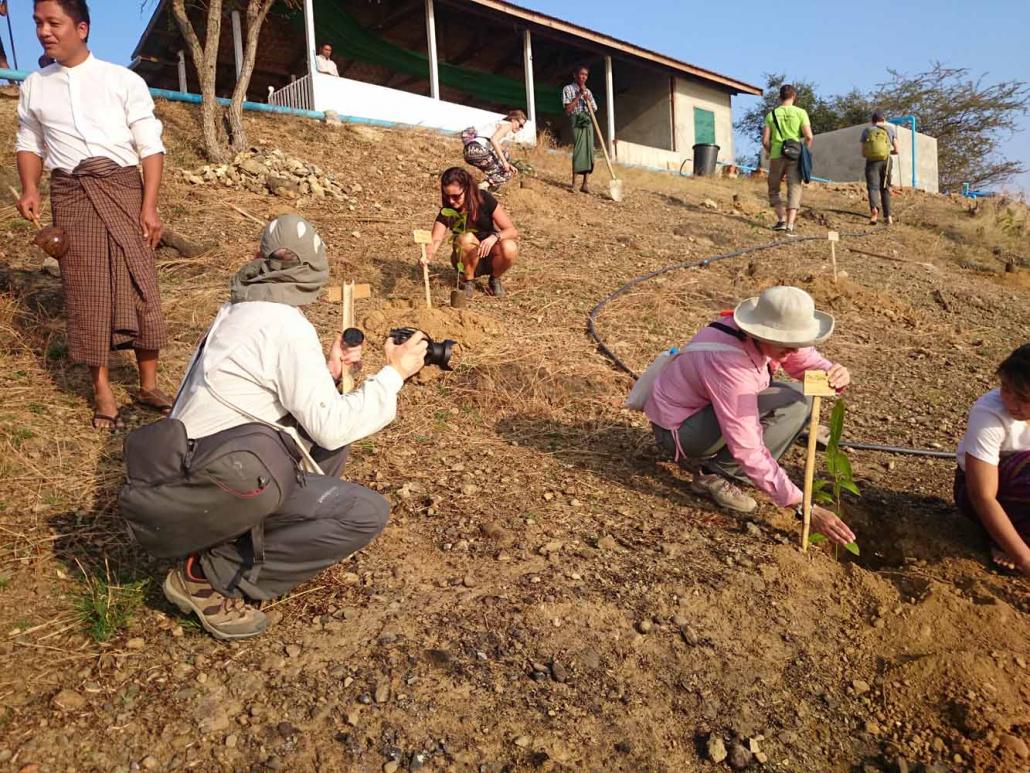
column 911, row 120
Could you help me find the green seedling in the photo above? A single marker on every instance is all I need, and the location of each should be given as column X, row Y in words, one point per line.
column 829, row 492
column 459, row 226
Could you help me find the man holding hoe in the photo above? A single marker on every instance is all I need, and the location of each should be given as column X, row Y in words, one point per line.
column 715, row 407
column 92, row 123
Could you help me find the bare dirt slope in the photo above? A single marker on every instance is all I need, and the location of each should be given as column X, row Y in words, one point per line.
column 547, row 595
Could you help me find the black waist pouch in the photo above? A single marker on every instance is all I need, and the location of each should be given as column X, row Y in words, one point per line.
column 182, row 496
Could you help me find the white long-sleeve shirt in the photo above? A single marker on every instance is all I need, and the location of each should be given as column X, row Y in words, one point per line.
column 68, row 114
column 266, row 359
column 328, row 66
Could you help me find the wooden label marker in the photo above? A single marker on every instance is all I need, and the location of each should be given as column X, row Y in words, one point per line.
column 833, row 238
column 817, row 386
column 422, row 238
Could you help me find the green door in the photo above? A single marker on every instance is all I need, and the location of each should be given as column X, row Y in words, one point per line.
column 704, row 127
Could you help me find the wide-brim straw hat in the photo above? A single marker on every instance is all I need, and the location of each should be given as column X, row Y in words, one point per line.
column 784, row 316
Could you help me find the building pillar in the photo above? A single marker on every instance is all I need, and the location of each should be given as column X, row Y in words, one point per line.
column 609, row 86
column 527, row 58
column 183, row 87
column 309, row 37
column 672, row 113
column 237, row 42
column 434, row 70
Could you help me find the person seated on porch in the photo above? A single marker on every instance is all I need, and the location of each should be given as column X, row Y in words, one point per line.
column 484, row 236
column 484, row 147
column 324, row 60
column 992, row 482
column 715, row 409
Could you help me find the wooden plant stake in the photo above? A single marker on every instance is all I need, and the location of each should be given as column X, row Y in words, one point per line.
column 817, row 386
column 422, row 238
column 347, row 294
column 834, row 237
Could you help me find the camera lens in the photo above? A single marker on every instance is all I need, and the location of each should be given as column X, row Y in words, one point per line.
column 353, row 337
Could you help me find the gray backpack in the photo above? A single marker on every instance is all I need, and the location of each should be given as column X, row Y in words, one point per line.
column 178, row 501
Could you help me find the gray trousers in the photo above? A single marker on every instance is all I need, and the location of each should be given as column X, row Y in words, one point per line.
column 319, row 524
column 878, row 185
column 783, row 411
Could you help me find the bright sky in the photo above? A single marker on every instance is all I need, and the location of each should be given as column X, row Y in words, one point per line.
column 837, row 45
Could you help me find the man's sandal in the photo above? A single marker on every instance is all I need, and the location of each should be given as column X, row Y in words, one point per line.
column 156, row 400
column 102, row 421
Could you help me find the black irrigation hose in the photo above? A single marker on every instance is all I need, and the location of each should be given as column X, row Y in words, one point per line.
column 592, row 327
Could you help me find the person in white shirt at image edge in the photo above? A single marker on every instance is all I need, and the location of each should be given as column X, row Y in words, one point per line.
column 324, row 60
column 992, row 482
column 92, row 123
column 262, row 360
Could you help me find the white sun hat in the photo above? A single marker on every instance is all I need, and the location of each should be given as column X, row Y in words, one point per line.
column 785, row 316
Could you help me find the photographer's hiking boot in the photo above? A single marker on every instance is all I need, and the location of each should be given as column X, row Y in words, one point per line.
column 223, row 617
column 723, row 493
column 496, row 288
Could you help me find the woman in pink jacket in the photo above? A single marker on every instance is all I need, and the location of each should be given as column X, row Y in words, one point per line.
column 715, row 406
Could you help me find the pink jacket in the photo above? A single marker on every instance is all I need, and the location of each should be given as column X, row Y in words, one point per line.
column 730, row 382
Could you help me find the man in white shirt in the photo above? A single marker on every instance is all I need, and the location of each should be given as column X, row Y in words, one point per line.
column 261, row 362
column 92, row 124
column 324, row 61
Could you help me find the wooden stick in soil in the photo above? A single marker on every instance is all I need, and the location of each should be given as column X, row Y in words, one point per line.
column 834, row 237
column 347, row 380
column 422, row 238
column 813, row 425
column 245, row 213
column 816, row 386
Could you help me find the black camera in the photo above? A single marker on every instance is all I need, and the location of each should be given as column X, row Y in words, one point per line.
column 438, row 353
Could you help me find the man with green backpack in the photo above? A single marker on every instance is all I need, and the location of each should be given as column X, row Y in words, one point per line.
column 879, row 142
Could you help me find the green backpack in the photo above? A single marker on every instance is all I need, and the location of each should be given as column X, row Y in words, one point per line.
column 877, row 145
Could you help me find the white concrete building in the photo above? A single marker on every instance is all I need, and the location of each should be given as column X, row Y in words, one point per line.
column 449, row 64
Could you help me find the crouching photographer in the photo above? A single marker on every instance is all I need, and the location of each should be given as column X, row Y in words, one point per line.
column 241, row 484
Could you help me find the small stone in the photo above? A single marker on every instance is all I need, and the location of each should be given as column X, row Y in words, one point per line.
column 607, row 543
column 716, row 748
column 135, row 644
column 523, row 741
column 468, row 581
column 679, row 621
column 1015, row 745
column 68, row 700
column 51, row 266
column 550, row 547
column 150, row 762
column 391, row 766
column 293, row 650
column 559, row 672
column 469, row 489
column 709, row 204
column 739, row 757
column 761, row 757
column 353, row 717
column 382, row 693
column 645, row 626
column 859, row 686
column 938, row 745
column 872, row 727
column 690, row 636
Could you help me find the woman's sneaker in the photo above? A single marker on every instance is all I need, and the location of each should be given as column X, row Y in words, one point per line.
column 496, row 288
column 723, row 493
column 222, row 616
column 781, row 225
